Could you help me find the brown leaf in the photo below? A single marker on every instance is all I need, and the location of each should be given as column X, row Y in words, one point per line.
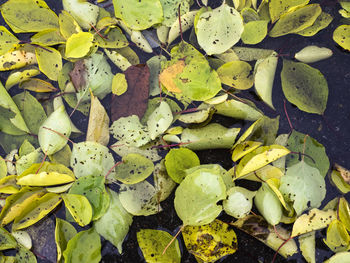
column 134, row 100
column 78, row 75
column 343, row 172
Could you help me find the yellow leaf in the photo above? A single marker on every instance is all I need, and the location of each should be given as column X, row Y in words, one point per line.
column 79, row 207
column 49, row 61
column 210, row 242
column 259, row 158
column 16, row 59
column 36, row 210
column 37, row 85
column 8, row 185
column 315, row 219
column 244, row 148
column 98, row 128
column 78, row 45
column 119, row 84
column 167, row 76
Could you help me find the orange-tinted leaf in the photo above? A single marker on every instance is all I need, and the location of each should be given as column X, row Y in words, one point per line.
column 168, row 75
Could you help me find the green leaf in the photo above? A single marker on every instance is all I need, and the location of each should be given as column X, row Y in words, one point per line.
column 315, row 153
column 79, row 207
column 83, row 12
column 311, row 54
column 51, row 131
column 15, row 125
column 341, row 36
column 304, row 86
column 239, row 202
column 264, row 76
column 296, row 20
column 254, row 32
column 337, row 239
column 339, row 257
column 3, row 168
column 219, row 29
column 178, row 160
column 91, row 158
column 197, row 196
column 93, row 188
column 139, row 199
column 236, row 74
column 152, row 243
column 28, row 16
column 133, row 169
column 322, row 21
column 278, row 7
column 20, row 75
column 162, row 182
column 36, row 210
column 48, row 37
column 32, row 111
column 170, row 10
column 304, row 186
column 114, row 224
column 307, row 245
column 7, row 40
column 139, row 15
column 238, row 109
column 7, row 241
column 64, row 232
column 160, row 120
column 26, row 160
column 212, row 136
column 268, row 204
column 78, row 45
column 24, row 256
column 210, row 242
column 114, row 39
column 49, row 61
column 83, row 247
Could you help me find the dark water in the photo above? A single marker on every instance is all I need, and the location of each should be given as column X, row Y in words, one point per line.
column 332, row 130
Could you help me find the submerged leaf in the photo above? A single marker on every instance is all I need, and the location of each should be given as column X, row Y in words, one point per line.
column 304, row 86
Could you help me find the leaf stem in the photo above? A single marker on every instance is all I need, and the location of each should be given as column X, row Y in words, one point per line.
column 173, row 239
column 285, row 111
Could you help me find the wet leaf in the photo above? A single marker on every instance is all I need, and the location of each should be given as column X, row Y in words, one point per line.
column 160, row 120
column 79, row 207
column 139, row 199
column 210, row 242
column 64, row 232
column 24, row 255
column 197, row 196
column 28, row 16
column 114, row 224
column 20, row 75
column 137, row 78
column 339, row 182
column 78, row 45
column 219, row 29
column 7, row 241
column 36, row 210
column 114, row 39
column 268, row 204
column 315, row 153
column 152, row 243
column 51, row 131
column 212, row 136
column 296, row 20
column 169, row 74
column 133, row 169
column 278, row 8
column 139, row 15
column 313, row 220
column 254, row 32
column 259, row 158
column 32, row 111
column 16, row 124
column 7, row 40
column 341, row 36
column 322, row 21
column 98, row 127
column 304, row 86
column 37, row 85
column 162, row 182
column 250, row 54
column 49, row 61
column 48, row 37
column 170, row 10
column 119, row 84
column 129, row 131
column 8, row 185
column 84, row 13
column 236, row 74
column 337, row 239
column 84, row 246
column 91, row 158
column 307, row 246
column 3, row 168
column 311, row 54
column 93, row 188
column 238, row 109
column 264, row 75
column 177, row 161
column 239, row 202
